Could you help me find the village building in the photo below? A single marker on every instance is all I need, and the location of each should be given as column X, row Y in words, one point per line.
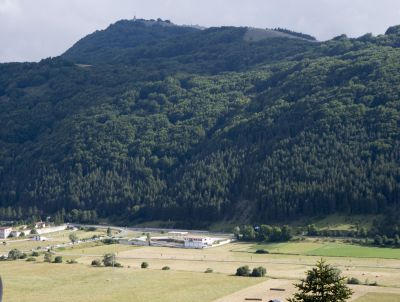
column 5, row 232
column 40, row 225
column 197, row 242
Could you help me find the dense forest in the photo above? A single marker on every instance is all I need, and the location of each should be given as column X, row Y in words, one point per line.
column 147, row 120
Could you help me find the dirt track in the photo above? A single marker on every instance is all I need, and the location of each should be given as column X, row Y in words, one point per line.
column 263, row 291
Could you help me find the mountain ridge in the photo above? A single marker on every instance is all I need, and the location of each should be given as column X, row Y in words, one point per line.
column 134, row 42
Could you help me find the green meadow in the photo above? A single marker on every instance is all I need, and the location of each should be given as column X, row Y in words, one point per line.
column 329, row 249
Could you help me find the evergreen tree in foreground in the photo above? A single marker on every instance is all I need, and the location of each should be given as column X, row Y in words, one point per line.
column 322, row 284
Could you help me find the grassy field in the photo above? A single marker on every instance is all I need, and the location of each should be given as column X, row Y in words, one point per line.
column 329, row 249
column 186, row 280
column 95, row 249
column 81, row 283
column 379, row 297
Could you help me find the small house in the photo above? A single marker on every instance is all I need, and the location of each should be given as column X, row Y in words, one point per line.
column 40, row 225
column 5, row 232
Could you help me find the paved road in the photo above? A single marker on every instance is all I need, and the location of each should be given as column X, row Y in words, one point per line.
column 149, row 230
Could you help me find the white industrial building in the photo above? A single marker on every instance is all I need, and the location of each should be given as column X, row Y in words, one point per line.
column 5, row 232
column 197, row 242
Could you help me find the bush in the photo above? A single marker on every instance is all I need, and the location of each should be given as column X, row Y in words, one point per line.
column 166, row 268
column 58, row 259
column 33, row 232
column 72, row 261
column 48, row 257
column 259, row 272
column 243, row 271
column 144, row 265
column 353, row 280
column 96, row 262
column 23, row 256
column 262, row 251
column 35, row 254
column 110, row 241
column 14, row 254
column 73, row 237
column 91, row 229
column 31, row 259
column 109, row 259
column 117, row 264
column 209, row 270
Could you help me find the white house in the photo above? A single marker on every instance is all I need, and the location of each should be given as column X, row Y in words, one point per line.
column 5, row 232
column 197, row 242
column 40, row 225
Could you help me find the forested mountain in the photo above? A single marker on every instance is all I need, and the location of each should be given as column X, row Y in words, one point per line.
column 175, row 123
column 171, row 49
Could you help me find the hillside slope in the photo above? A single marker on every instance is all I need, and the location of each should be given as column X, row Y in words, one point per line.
column 311, row 131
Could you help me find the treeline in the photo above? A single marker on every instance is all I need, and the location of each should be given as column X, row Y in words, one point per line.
column 296, row 34
column 263, row 233
column 312, row 230
column 33, row 214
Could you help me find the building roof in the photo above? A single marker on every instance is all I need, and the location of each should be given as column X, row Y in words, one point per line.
column 5, row 228
column 196, row 237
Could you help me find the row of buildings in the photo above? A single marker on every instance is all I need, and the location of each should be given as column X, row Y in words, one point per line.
column 177, row 240
column 7, row 231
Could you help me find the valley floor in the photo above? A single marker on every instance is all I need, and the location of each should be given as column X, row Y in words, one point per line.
column 187, row 281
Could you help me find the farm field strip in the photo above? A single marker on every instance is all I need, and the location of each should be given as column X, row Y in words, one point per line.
column 263, row 291
column 328, row 249
column 200, row 259
column 224, row 260
column 80, row 283
column 381, row 297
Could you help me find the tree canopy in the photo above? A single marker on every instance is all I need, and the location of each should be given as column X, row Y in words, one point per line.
column 323, row 283
column 200, row 126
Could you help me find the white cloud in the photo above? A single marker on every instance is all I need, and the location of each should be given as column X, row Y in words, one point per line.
column 35, row 29
column 8, row 6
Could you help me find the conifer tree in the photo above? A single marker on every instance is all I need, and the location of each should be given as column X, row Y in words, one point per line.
column 322, row 284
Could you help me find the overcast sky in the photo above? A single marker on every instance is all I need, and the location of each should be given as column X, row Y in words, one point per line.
column 34, row 29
